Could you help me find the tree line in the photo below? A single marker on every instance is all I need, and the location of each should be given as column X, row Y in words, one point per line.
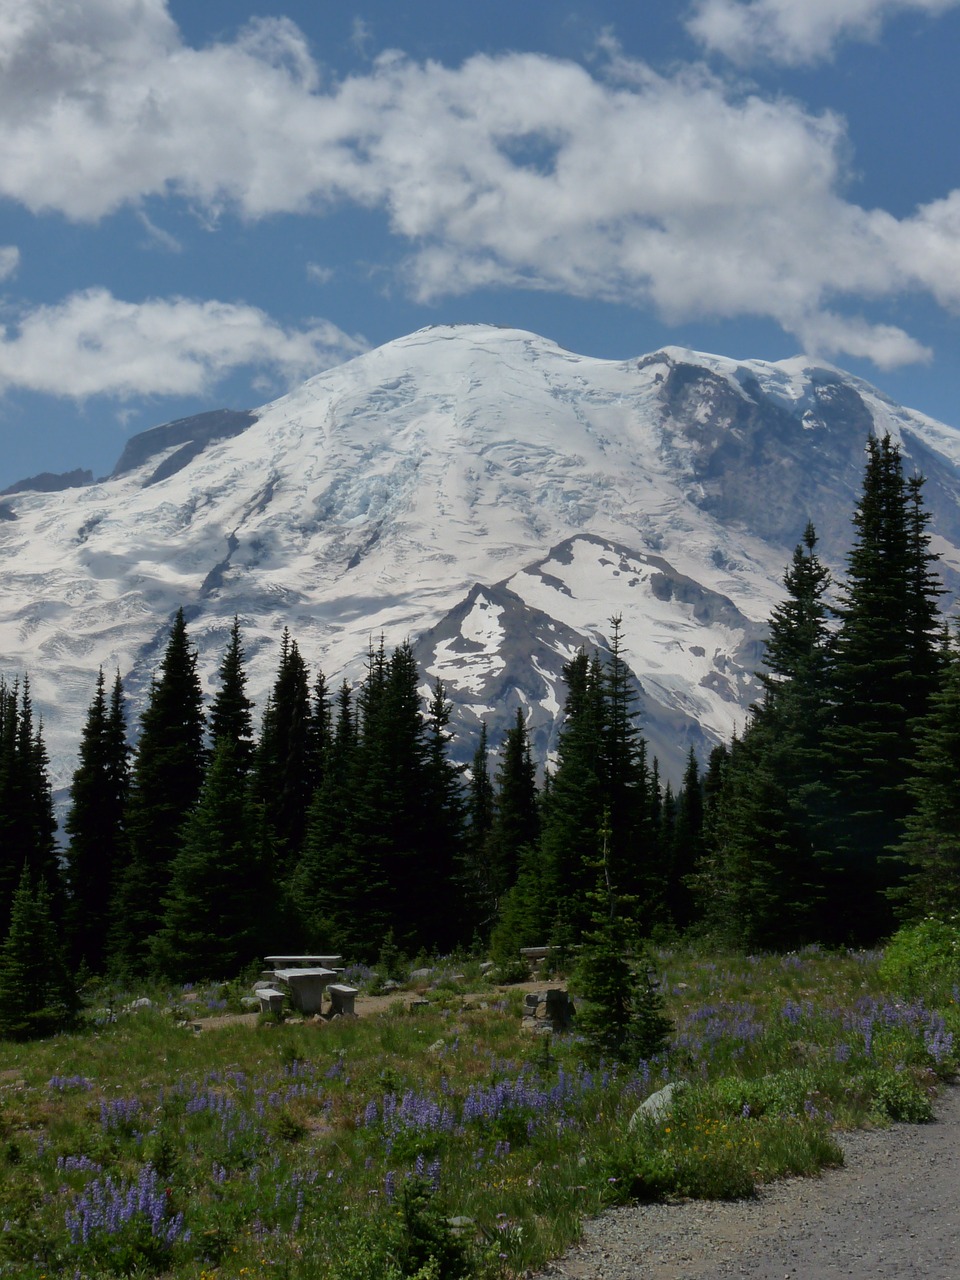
column 344, row 821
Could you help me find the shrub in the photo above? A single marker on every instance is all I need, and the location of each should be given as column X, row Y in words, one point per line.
column 924, row 959
column 898, row 1096
column 430, row 1246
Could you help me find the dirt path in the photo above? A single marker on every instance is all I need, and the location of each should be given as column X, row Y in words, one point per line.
column 892, row 1210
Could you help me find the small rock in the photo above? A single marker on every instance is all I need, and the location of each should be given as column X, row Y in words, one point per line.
column 659, row 1106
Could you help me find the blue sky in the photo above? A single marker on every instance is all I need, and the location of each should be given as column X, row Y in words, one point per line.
column 203, row 203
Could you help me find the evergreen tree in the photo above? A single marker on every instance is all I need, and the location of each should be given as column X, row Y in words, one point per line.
column 627, row 798
column 378, row 853
column 165, row 782
column 286, row 763
column 796, row 651
column 686, row 845
column 329, row 884
column 621, row 1014
column 95, row 824
column 27, row 822
column 445, row 916
column 394, row 814
column 576, row 802
column 322, row 728
column 217, row 913
column 931, row 838
column 883, row 673
column 923, row 621
column 758, row 883
column 761, row 881
column 37, row 996
column 480, row 891
column 231, row 714
column 515, row 823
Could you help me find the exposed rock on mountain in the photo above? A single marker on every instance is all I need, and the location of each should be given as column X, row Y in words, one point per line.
column 487, row 495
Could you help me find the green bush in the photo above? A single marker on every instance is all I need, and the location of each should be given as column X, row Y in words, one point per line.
column 897, row 1095
column 924, row 960
column 779, row 1093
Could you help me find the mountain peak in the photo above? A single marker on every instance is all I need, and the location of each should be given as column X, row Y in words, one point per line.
column 455, row 465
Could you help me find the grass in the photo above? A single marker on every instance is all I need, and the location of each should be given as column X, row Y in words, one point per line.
column 438, row 1144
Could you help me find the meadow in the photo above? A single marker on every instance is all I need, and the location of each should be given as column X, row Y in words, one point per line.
column 437, row 1142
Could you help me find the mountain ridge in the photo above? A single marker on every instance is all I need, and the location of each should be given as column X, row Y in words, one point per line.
column 376, row 497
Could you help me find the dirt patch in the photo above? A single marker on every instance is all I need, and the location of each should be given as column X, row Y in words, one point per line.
column 372, row 1006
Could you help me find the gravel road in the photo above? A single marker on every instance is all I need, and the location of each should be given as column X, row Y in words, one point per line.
column 892, row 1210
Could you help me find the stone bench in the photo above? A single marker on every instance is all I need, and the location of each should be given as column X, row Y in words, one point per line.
column 270, row 1001
column 341, row 1000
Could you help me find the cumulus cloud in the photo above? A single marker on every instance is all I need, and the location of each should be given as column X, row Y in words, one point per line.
column 9, row 260
column 795, row 32
column 95, row 344
column 677, row 191
column 827, row 334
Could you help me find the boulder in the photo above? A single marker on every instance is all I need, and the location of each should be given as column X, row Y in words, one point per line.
column 659, row 1106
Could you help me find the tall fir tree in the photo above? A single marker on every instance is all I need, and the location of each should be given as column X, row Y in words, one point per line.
column 884, row 664
column 761, row 878
column 757, row 883
column 930, row 845
column 602, row 770
column 165, row 782
column 329, row 885
column 480, row 892
column 96, row 848
column 372, row 863
column 27, row 821
column 218, row 910
column 574, row 814
column 286, row 762
column 515, row 821
column 632, row 853
column 37, row 994
column 231, row 712
column 446, row 916
column 686, row 849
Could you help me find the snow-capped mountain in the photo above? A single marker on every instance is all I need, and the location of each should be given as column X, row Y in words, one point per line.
column 482, row 492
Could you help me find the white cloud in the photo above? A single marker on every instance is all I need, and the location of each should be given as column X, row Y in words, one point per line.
column 677, row 192
column 95, row 344
column 9, row 260
column 158, row 236
column 319, row 274
column 360, row 35
column 795, row 32
column 827, row 334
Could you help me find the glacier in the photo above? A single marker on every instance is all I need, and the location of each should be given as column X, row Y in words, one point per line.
column 484, row 493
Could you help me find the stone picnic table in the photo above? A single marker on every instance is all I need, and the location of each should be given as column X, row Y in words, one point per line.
column 307, row 978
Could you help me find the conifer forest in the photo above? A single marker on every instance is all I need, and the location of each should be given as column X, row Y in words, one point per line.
column 339, row 819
